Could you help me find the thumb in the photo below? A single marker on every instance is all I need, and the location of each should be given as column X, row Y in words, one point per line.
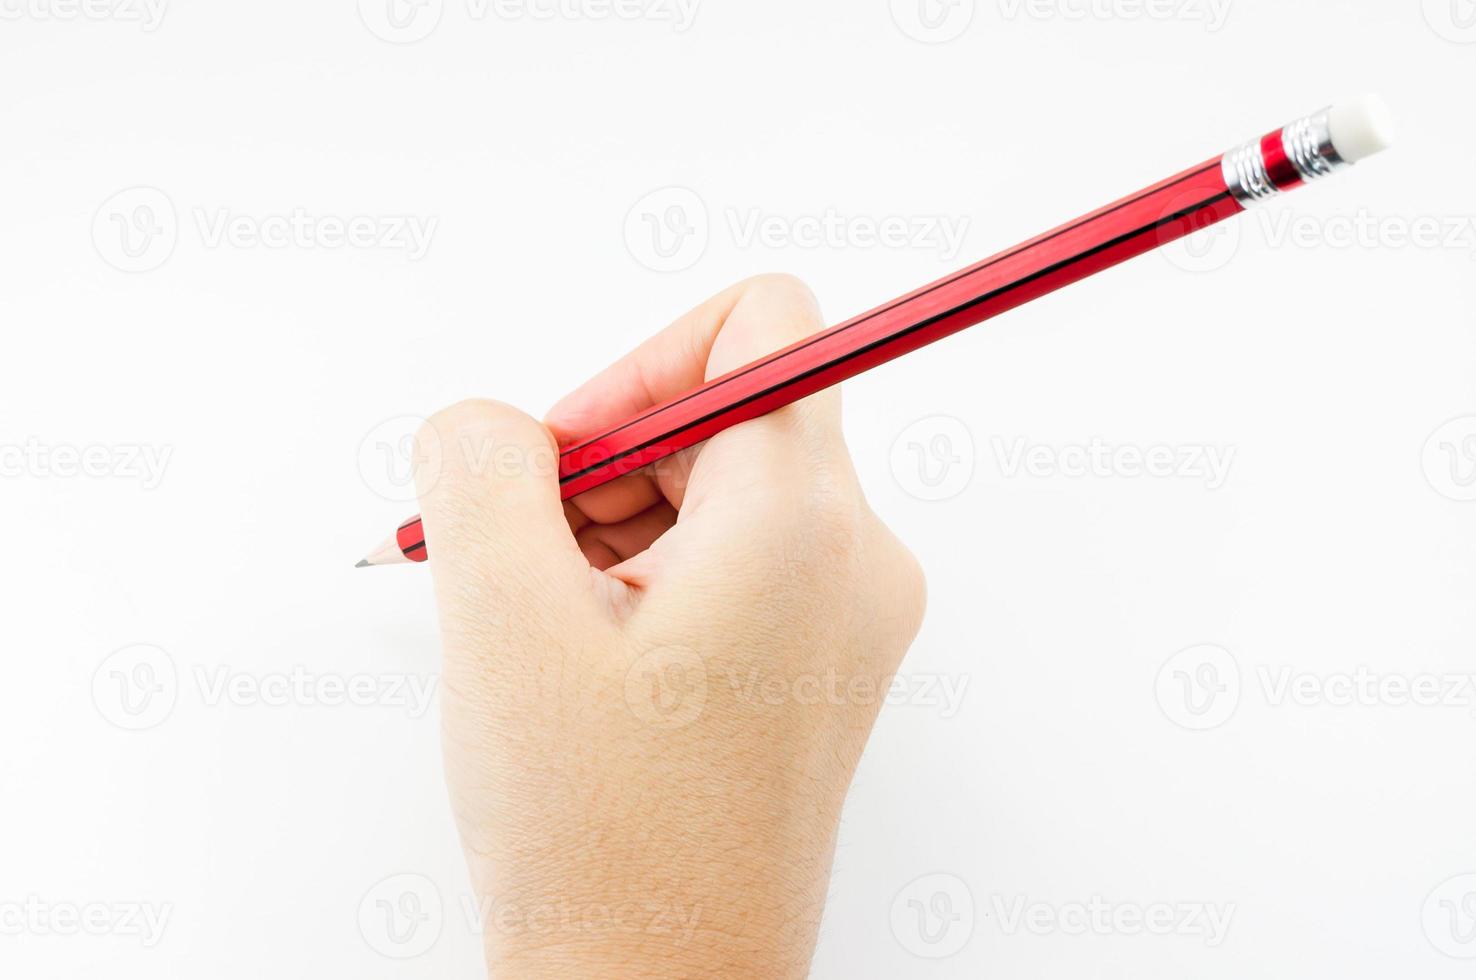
column 500, row 548
column 792, row 447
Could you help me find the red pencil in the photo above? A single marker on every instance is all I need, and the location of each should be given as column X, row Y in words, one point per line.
column 1309, row 148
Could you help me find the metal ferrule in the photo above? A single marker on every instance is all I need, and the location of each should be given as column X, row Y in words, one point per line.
column 1245, row 174
column 1305, row 153
column 1309, row 147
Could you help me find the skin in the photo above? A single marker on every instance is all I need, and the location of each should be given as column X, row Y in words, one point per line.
column 655, row 696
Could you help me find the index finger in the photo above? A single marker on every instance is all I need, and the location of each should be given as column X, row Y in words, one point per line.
column 662, row 367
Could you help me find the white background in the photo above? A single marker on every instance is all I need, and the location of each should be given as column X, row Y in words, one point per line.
column 273, row 381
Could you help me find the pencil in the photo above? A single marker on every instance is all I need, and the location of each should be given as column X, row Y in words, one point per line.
column 1310, row 148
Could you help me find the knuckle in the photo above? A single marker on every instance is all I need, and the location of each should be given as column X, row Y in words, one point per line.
column 483, row 415
column 907, row 584
column 450, row 423
column 914, row 591
column 783, row 287
column 780, row 283
column 476, row 432
column 459, row 415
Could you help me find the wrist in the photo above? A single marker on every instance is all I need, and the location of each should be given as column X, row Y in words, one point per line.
column 736, row 931
column 653, row 898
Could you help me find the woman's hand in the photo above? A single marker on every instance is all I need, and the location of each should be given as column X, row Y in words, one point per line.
column 655, row 695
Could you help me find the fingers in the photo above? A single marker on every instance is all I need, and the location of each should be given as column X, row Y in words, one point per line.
column 668, row 364
column 662, row 367
column 754, row 318
column 614, row 501
column 775, row 310
column 771, row 312
column 793, row 449
column 499, row 545
column 606, row 545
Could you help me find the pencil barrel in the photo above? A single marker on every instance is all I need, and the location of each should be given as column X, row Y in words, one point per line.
column 1305, row 150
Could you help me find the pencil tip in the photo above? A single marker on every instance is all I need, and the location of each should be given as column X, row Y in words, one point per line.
column 388, row 553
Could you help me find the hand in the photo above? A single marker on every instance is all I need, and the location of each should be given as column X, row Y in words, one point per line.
column 651, row 722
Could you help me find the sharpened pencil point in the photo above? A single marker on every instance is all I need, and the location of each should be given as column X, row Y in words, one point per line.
column 388, row 553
